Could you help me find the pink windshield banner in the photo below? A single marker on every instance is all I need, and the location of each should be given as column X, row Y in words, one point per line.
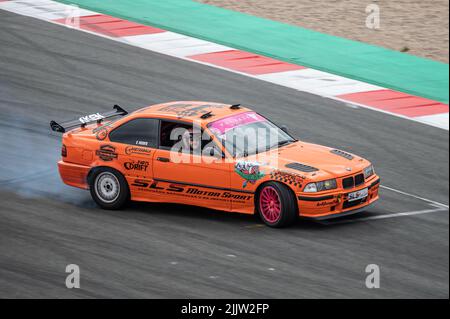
column 231, row 122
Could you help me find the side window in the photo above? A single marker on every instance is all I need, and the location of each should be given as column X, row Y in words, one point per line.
column 142, row 132
column 172, row 133
column 175, row 135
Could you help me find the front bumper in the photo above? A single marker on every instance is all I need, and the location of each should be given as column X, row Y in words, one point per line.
column 335, row 204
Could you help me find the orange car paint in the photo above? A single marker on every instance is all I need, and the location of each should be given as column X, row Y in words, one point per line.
column 217, row 185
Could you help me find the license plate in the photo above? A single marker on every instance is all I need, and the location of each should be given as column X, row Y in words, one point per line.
column 363, row 193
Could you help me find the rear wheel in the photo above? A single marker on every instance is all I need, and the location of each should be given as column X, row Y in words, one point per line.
column 276, row 205
column 109, row 189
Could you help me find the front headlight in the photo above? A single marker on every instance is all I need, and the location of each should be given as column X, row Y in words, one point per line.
column 368, row 171
column 320, row 186
column 310, row 188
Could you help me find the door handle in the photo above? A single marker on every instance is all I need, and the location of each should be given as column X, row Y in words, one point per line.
column 163, row 159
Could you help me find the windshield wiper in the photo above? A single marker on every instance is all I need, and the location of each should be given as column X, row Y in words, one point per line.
column 280, row 144
column 285, row 142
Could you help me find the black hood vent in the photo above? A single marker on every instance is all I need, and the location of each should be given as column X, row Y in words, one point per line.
column 302, row 167
column 342, row 154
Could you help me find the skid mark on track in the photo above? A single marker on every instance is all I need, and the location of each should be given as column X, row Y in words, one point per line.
column 28, row 178
column 256, row 226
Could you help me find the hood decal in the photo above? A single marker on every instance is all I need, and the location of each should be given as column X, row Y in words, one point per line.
column 293, row 179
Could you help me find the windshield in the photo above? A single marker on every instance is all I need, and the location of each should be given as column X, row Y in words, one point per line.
column 248, row 133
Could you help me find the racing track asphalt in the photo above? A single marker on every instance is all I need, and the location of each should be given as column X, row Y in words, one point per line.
column 50, row 72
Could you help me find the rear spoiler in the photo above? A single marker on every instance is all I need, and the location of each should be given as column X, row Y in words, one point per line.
column 84, row 120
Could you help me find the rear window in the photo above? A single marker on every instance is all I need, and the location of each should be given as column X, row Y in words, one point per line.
column 142, row 132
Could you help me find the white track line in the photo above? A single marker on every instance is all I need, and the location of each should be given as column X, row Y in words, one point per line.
column 385, row 216
column 438, row 120
column 438, row 207
column 439, row 123
column 415, row 196
column 307, row 80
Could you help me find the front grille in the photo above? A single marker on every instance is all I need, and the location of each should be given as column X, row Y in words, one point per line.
column 348, row 204
column 353, row 181
column 302, row 167
column 348, row 182
column 359, row 179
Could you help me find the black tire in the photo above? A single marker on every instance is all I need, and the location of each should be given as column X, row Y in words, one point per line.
column 287, row 214
column 108, row 188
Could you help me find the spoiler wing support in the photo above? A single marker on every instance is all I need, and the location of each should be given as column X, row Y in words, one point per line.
column 87, row 119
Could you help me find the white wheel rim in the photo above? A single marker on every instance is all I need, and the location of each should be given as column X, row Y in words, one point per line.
column 107, row 187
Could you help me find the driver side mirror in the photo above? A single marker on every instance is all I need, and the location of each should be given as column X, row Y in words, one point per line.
column 284, row 129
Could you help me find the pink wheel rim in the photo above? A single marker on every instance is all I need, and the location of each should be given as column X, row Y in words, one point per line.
column 270, row 204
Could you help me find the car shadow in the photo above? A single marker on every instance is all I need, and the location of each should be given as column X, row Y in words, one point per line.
column 185, row 213
column 182, row 211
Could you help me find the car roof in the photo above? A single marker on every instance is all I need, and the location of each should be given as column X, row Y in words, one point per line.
column 191, row 110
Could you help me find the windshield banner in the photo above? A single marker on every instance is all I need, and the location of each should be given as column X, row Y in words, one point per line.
column 222, row 126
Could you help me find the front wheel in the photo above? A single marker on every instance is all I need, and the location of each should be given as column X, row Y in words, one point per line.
column 109, row 189
column 276, row 205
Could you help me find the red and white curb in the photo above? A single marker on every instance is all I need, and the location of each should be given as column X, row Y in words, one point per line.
column 249, row 64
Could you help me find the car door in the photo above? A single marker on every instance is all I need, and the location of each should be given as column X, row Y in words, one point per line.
column 135, row 143
column 202, row 180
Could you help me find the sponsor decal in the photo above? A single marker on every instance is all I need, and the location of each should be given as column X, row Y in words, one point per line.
column 189, row 191
column 130, row 150
column 288, row 178
column 249, row 171
column 136, row 165
column 142, row 143
column 330, row 202
column 91, row 118
column 107, row 153
column 101, row 132
column 219, row 194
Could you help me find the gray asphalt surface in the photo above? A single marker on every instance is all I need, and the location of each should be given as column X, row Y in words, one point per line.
column 169, row 251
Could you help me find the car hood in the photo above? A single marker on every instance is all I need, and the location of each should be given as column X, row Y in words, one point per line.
column 327, row 163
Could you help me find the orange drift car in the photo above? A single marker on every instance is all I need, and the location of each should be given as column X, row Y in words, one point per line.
column 224, row 157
